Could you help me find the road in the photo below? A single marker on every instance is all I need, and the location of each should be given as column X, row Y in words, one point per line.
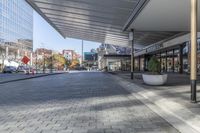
column 82, row 102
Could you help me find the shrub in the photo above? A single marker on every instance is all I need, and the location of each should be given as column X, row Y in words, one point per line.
column 154, row 65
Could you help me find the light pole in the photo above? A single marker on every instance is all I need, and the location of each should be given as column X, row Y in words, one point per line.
column 131, row 38
column 82, row 53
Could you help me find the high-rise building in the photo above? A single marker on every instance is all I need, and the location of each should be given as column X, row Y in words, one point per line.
column 16, row 29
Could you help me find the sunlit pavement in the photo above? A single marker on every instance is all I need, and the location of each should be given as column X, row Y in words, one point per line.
column 78, row 102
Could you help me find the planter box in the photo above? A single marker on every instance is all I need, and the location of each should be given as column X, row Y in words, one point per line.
column 154, row 79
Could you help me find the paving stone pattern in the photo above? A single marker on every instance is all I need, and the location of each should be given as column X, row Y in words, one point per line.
column 89, row 102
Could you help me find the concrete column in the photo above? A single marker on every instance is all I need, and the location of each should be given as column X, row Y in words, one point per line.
column 193, row 60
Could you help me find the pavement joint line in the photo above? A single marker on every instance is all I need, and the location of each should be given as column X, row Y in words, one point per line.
column 159, row 107
column 27, row 78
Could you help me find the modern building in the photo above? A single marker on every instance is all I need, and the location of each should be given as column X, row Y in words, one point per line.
column 71, row 55
column 90, row 58
column 68, row 54
column 16, row 30
column 173, row 54
column 114, row 58
column 43, row 52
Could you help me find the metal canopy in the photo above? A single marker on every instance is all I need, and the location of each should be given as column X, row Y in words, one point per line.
column 163, row 15
column 96, row 20
column 93, row 20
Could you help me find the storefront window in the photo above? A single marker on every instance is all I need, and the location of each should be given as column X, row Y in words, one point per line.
column 176, row 60
column 185, row 57
column 141, row 64
column 163, row 62
column 170, row 61
column 137, row 64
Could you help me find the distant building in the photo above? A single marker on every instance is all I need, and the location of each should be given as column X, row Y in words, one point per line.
column 41, row 52
column 68, row 54
column 90, row 56
column 71, row 55
column 114, row 58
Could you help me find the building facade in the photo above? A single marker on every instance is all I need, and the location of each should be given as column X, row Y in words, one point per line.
column 71, row 55
column 114, row 58
column 173, row 54
column 16, row 30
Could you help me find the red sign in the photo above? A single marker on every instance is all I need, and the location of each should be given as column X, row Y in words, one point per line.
column 25, row 59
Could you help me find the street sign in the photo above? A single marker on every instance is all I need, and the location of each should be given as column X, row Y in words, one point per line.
column 25, row 59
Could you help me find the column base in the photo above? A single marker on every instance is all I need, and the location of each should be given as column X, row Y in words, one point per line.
column 193, row 91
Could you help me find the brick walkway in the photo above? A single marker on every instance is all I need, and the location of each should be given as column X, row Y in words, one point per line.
column 89, row 102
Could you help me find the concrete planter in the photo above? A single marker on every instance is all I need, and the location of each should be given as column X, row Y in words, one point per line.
column 154, row 79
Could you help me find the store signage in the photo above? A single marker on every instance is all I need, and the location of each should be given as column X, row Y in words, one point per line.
column 154, row 47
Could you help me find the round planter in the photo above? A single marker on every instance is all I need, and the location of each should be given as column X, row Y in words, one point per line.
column 154, row 79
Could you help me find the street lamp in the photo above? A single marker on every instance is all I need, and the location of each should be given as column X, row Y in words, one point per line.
column 131, row 38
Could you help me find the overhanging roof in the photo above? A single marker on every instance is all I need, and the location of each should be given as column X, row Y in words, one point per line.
column 164, row 15
column 94, row 20
column 100, row 20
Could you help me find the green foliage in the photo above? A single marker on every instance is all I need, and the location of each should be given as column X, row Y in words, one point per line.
column 154, row 65
column 59, row 59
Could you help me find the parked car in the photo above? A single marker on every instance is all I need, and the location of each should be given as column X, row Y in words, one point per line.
column 26, row 69
column 9, row 69
column 22, row 69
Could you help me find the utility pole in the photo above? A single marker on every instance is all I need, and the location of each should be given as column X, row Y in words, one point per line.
column 82, row 54
column 36, row 61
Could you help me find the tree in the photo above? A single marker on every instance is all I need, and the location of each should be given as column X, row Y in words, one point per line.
column 74, row 63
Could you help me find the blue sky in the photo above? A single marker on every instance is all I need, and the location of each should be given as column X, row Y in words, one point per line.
column 45, row 36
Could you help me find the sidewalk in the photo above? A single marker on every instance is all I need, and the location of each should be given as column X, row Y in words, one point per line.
column 6, row 78
column 171, row 101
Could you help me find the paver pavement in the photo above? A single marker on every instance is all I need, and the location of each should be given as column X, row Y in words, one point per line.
column 85, row 102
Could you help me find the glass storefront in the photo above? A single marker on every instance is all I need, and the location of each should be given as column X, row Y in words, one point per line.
column 172, row 59
column 170, row 65
column 176, row 59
